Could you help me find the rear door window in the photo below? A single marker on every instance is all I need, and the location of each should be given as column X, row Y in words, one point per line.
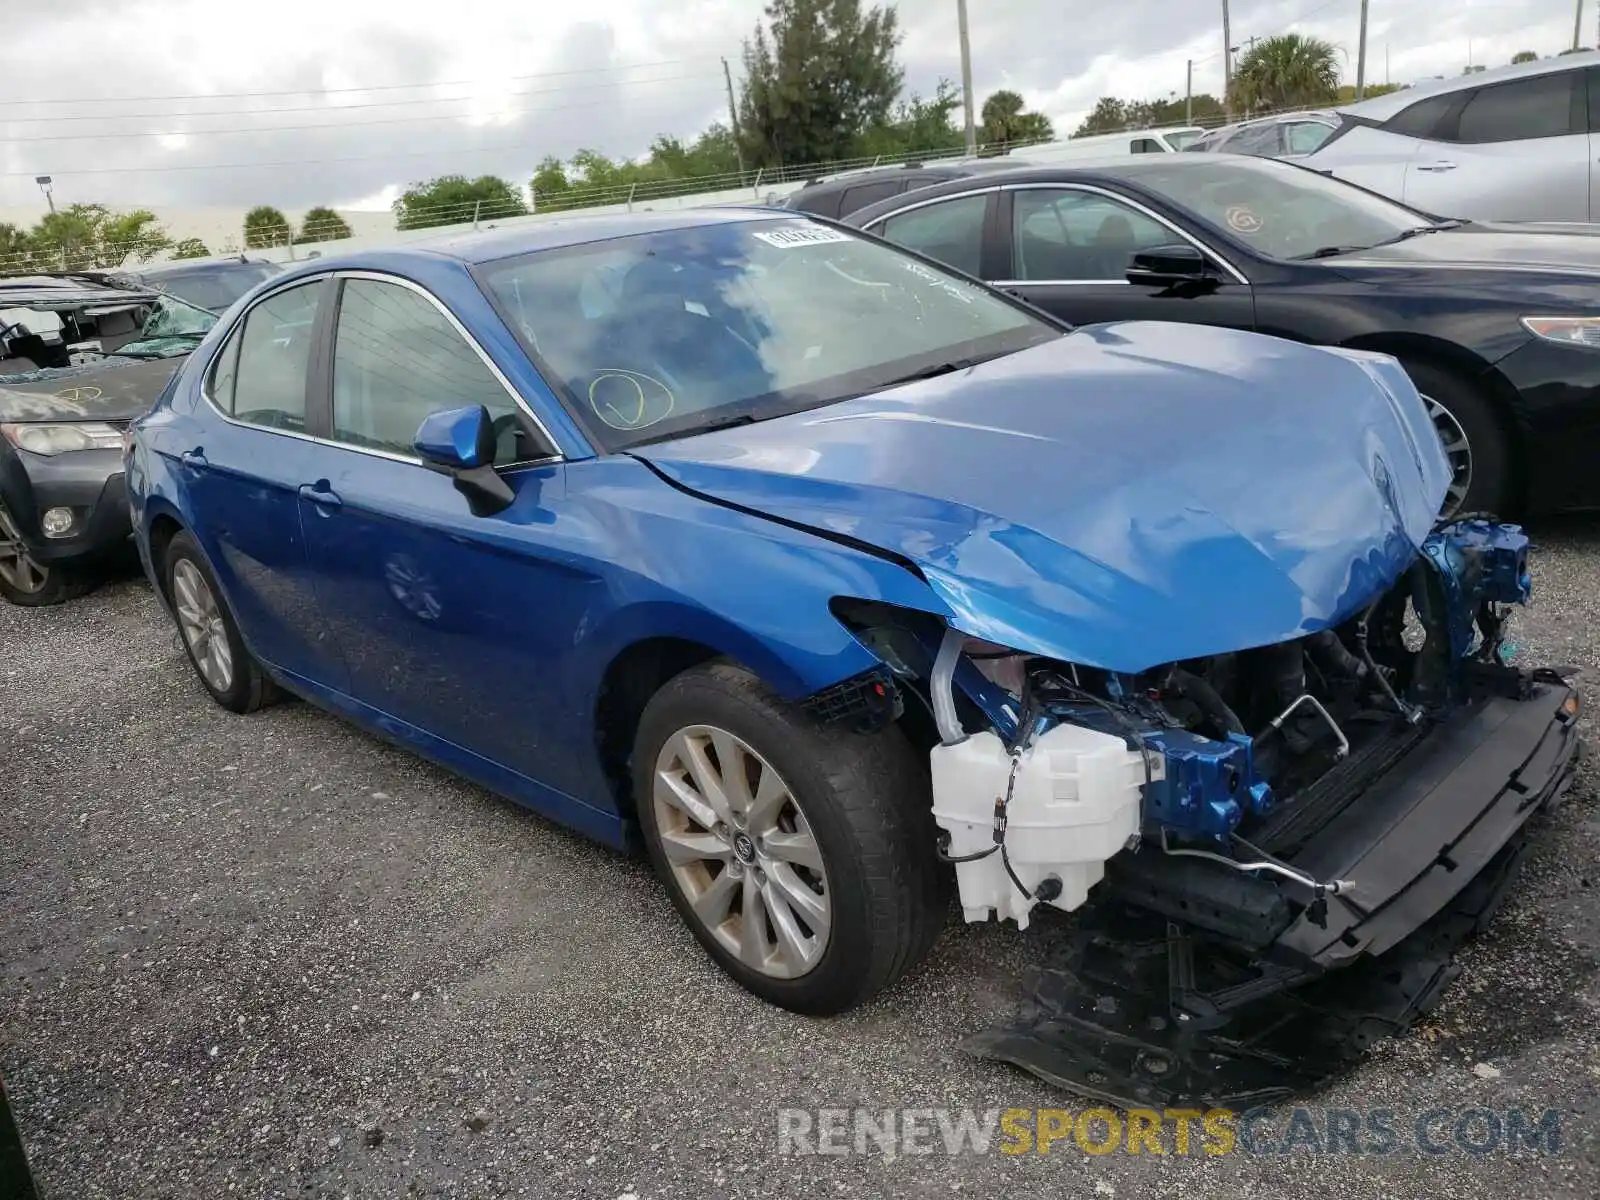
column 1523, row 109
column 274, row 355
column 868, row 193
column 950, row 231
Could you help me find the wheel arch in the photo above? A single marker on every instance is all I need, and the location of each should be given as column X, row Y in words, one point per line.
column 1472, row 369
column 650, row 644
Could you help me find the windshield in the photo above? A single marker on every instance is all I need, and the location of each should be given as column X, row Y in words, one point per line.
column 172, row 317
column 662, row 334
column 1184, row 137
column 1278, row 209
column 213, row 287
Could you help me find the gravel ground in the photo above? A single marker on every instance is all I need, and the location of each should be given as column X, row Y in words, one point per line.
column 272, row 956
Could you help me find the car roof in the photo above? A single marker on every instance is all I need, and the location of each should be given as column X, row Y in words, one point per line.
column 1380, row 108
column 187, row 267
column 546, row 233
column 955, row 167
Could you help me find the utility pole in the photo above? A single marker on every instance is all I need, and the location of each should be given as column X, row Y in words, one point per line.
column 44, row 183
column 1361, row 55
column 733, row 119
column 1577, row 26
column 966, row 78
column 1188, row 94
column 1227, row 65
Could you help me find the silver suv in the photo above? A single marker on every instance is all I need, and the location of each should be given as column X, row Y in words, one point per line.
column 1512, row 144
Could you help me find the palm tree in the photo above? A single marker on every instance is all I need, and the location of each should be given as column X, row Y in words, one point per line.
column 266, row 226
column 1005, row 122
column 1288, row 71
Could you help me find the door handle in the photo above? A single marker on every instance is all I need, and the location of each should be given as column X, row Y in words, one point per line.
column 195, row 458
column 320, row 494
column 1438, row 166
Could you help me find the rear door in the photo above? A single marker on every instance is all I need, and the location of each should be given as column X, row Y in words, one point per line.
column 1512, row 151
column 1068, row 248
column 241, row 471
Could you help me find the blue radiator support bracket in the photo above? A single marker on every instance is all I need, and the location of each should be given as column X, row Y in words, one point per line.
column 1477, row 562
column 1208, row 785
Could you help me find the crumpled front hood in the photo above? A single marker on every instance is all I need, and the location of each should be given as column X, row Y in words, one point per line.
column 1124, row 496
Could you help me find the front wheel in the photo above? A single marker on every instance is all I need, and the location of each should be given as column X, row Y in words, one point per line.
column 1474, row 441
column 800, row 855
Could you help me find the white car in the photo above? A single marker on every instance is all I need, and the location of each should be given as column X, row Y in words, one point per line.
column 1512, row 144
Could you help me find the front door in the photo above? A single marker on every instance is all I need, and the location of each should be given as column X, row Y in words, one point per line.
column 453, row 624
column 1069, row 249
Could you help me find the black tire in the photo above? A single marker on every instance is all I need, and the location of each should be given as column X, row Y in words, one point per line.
column 1489, row 487
column 867, row 801
column 36, row 584
column 249, row 687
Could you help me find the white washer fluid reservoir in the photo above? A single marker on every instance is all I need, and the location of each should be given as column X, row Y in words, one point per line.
column 1077, row 801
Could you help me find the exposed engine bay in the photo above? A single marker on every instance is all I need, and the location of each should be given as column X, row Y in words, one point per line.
column 1239, row 826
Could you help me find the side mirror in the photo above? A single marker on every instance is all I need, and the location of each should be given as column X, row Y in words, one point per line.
column 1165, row 266
column 460, row 442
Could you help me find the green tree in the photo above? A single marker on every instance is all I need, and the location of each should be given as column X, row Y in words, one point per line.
column 817, row 76
column 266, row 226
column 455, row 200
column 15, row 248
column 918, row 126
column 322, row 224
column 1347, row 91
column 1112, row 115
column 82, row 236
column 550, row 184
column 1522, row 56
column 1287, row 71
column 191, row 248
column 1006, row 121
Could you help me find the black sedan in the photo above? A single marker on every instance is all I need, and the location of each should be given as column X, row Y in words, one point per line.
column 1498, row 326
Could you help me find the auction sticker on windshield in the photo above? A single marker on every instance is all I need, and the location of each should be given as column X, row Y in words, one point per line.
column 800, row 235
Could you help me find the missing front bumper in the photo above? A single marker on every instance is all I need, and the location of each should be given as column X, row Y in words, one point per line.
column 1140, row 1012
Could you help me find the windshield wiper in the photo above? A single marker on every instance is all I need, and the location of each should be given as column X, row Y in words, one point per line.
column 944, row 368
column 1403, row 236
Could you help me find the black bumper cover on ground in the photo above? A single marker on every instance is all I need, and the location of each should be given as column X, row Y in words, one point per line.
column 1140, row 1015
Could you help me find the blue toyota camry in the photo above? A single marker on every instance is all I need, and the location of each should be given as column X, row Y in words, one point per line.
column 851, row 587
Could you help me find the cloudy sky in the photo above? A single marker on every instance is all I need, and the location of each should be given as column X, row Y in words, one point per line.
column 195, row 102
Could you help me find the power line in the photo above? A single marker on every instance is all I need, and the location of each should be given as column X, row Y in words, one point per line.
column 326, row 108
column 509, row 112
column 385, row 87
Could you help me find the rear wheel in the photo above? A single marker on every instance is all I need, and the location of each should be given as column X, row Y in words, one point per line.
column 26, row 581
column 210, row 635
column 1474, row 440
column 801, row 855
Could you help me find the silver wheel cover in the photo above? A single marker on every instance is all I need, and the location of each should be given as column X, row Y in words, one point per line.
column 200, row 622
column 741, row 851
column 17, row 566
column 1457, row 449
